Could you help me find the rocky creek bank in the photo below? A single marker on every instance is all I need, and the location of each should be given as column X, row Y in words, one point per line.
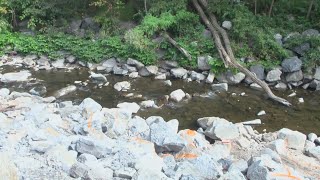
column 40, row 138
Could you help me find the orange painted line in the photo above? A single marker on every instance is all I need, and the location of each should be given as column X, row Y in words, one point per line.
column 187, row 156
column 90, row 120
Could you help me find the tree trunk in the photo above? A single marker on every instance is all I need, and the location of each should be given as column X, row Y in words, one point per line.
column 310, row 8
column 271, row 7
column 176, row 45
column 255, row 7
column 145, row 6
column 225, row 50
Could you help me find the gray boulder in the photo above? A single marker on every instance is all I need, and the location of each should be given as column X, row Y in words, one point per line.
column 296, row 140
column 221, row 129
column 136, row 63
column 315, row 84
column 38, row 90
column 98, row 77
column 294, row 76
column 64, row 91
column 278, row 38
column 15, row 76
column 274, row 75
column 310, row 32
column 281, row 86
column 258, row 70
column 177, row 95
column 43, row 61
column 230, row 78
column 94, row 147
column 165, row 138
column 109, row 64
column 169, row 65
column 129, row 68
column 291, row 64
column 71, row 59
column 302, row 48
column 180, row 73
column 119, row 71
column 220, row 87
column 59, row 63
column 210, row 78
column 197, row 76
column 203, row 63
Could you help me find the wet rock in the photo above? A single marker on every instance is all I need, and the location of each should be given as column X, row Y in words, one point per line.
column 122, row 86
column 274, row 75
column 312, row 137
column 197, row 76
column 131, row 107
column 177, row 95
column 59, row 63
column 291, row 64
column 281, row 86
column 65, row 91
column 210, row 78
column 134, row 75
column 314, row 152
column 310, row 32
column 97, row 148
column 255, row 86
column 38, row 91
column 119, row 71
column 296, row 140
column 161, row 77
column 220, row 87
column 203, row 63
column 168, row 83
column 136, row 63
column 4, row 92
column 15, row 76
column 148, row 104
column 221, row 129
column 315, row 84
column 294, row 76
column 165, row 138
column 98, row 77
column 180, row 73
column 227, row 25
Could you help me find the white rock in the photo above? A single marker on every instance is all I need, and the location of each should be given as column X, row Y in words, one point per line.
column 296, row 140
column 292, row 94
column 161, row 77
column 227, row 24
column 168, row 83
column 148, row 104
column 134, row 75
column 122, row 86
column 261, row 113
column 132, row 107
column 177, row 95
column 301, row 100
column 312, row 137
column 255, row 86
column 15, row 76
column 210, row 78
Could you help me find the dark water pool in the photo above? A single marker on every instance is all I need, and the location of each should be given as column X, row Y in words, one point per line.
column 304, row 117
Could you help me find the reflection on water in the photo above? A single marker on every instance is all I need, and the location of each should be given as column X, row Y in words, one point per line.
column 303, row 117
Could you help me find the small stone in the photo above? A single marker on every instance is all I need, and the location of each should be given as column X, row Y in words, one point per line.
column 148, row 104
column 134, row 75
column 168, row 83
column 292, row 94
column 220, row 87
column 301, row 100
column 261, row 113
column 177, row 95
column 98, row 77
column 122, row 86
column 64, row 91
column 161, row 77
column 210, row 78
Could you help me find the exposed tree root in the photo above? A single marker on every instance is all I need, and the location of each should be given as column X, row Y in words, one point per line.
column 175, row 44
column 225, row 50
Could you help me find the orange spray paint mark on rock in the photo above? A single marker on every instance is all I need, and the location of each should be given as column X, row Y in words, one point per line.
column 90, row 121
column 289, row 175
column 191, row 132
column 186, row 156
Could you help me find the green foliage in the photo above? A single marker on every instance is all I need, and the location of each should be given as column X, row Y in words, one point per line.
column 311, row 58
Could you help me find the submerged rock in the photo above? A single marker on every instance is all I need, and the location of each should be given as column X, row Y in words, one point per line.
column 220, row 87
column 65, row 91
column 15, row 76
column 122, row 86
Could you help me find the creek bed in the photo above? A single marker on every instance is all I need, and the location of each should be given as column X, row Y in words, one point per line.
column 304, row 117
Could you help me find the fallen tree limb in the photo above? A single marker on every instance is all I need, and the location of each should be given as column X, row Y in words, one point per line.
column 225, row 50
column 176, row 45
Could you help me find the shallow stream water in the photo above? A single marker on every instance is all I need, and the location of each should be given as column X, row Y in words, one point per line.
column 304, row 117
